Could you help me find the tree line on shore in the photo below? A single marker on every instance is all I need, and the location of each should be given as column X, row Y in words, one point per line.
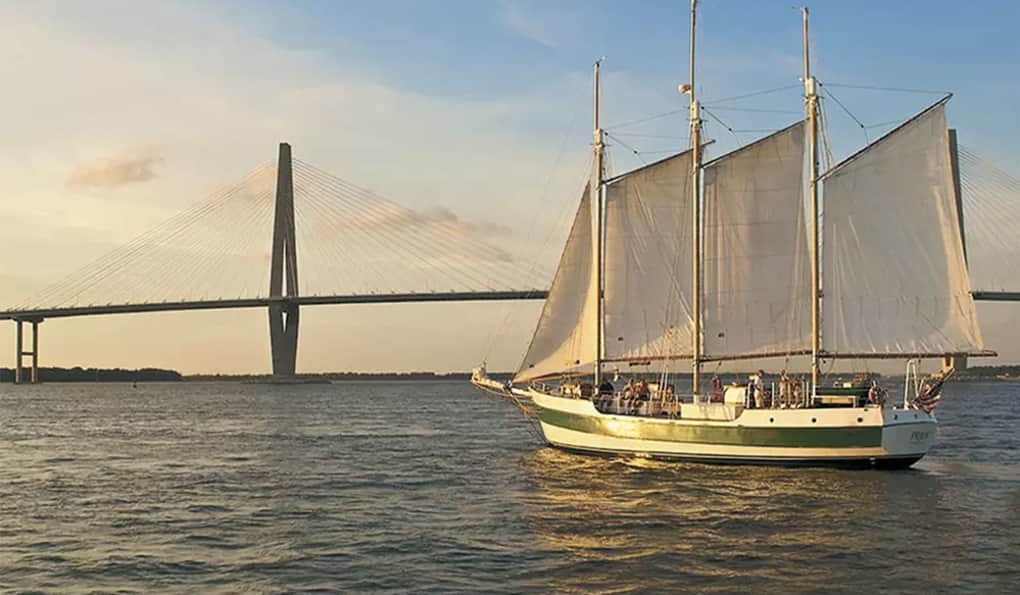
column 79, row 374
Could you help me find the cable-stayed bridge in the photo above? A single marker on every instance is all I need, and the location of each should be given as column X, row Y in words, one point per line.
column 288, row 235
column 991, row 207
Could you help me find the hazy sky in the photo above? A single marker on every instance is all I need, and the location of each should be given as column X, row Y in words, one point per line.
column 120, row 114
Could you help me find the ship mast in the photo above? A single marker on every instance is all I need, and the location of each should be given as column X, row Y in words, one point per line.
column 599, row 148
column 811, row 105
column 695, row 217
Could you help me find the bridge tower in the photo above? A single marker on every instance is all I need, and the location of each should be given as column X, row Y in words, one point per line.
column 283, row 274
column 20, row 353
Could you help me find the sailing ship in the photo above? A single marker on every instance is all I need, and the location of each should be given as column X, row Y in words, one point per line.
column 713, row 261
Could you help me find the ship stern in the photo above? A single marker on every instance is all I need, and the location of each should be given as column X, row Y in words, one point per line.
column 907, row 436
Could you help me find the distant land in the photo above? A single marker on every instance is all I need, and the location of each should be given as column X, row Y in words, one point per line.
column 95, row 375
column 78, row 374
column 415, row 376
column 989, row 373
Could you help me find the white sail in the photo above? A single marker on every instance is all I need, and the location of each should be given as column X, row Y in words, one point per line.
column 894, row 276
column 566, row 337
column 757, row 279
column 647, row 304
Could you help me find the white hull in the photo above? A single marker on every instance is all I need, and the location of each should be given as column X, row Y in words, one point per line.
column 852, row 436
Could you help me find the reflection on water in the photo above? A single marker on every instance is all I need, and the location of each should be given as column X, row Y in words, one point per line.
column 407, row 487
column 950, row 522
column 719, row 527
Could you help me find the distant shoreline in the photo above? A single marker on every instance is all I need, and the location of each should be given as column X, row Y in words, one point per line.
column 78, row 374
column 337, row 376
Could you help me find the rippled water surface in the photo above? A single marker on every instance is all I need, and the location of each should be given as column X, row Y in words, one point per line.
column 437, row 488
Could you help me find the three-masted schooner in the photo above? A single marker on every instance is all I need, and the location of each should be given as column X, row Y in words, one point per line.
column 712, row 261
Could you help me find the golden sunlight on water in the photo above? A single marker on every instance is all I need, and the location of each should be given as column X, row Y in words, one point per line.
column 398, row 487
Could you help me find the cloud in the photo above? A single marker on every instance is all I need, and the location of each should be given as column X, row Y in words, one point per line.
column 114, row 172
column 526, row 23
column 481, row 232
column 436, row 231
column 445, row 215
column 437, row 217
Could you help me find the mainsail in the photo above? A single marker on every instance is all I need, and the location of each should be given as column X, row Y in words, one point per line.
column 894, row 277
column 566, row 337
column 648, row 262
column 757, row 280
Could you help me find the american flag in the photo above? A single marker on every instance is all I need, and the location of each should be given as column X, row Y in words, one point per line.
column 928, row 400
column 928, row 397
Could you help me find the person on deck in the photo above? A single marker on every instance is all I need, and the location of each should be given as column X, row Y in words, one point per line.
column 717, row 395
column 639, row 395
column 876, row 394
column 759, row 390
column 784, row 389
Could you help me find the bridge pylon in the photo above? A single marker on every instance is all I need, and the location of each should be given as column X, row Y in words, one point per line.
column 283, row 274
column 20, row 353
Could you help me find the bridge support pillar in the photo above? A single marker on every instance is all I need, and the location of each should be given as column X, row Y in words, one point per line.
column 35, row 352
column 954, row 361
column 283, row 338
column 20, row 353
column 18, row 345
column 284, row 314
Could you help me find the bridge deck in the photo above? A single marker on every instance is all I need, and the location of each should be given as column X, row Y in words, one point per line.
column 312, row 300
column 997, row 296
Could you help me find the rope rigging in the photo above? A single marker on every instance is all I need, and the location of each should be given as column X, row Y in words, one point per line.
column 754, row 94
column 507, row 313
column 889, row 89
column 846, row 110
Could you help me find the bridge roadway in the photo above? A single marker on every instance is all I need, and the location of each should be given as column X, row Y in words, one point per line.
column 366, row 298
column 371, row 298
column 996, row 296
column 34, row 316
column 312, row 300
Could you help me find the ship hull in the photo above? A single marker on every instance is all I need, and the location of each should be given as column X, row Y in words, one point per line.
column 725, row 434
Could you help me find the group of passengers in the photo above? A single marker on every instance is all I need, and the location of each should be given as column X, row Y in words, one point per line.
column 636, row 392
column 786, row 393
column 757, row 396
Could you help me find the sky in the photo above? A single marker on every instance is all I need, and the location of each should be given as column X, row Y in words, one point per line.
column 118, row 115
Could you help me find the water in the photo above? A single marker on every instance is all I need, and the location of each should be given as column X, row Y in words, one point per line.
column 437, row 488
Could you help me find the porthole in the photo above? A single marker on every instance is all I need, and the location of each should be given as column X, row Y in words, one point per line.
column 860, row 420
column 813, row 420
column 772, row 420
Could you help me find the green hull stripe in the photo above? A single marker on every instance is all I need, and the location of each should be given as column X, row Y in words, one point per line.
column 637, row 429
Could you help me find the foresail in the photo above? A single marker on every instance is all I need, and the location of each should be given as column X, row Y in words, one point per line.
column 757, row 278
column 565, row 339
column 647, row 304
column 894, row 276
